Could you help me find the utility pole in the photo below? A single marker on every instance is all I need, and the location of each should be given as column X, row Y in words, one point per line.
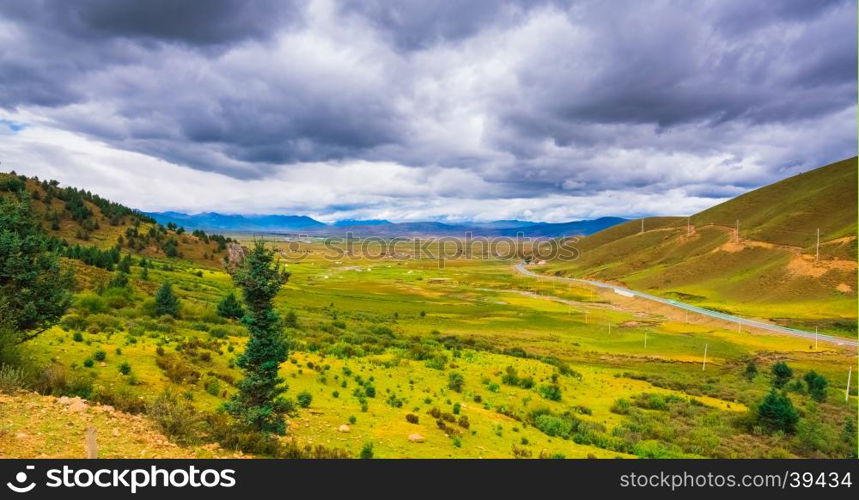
column 704, row 364
column 688, row 226
column 815, row 338
column 609, row 327
column 645, row 339
column 642, row 225
column 847, row 392
column 817, row 248
column 738, row 230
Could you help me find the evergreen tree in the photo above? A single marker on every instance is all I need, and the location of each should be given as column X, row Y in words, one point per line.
column 144, row 271
column 35, row 291
column 125, row 265
column 751, row 370
column 816, row 385
column 119, row 280
column 259, row 404
column 776, row 413
column 782, row 374
column 166, row 301
column 230, row 308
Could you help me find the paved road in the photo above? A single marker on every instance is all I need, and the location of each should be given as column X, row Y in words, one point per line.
column 680, row 305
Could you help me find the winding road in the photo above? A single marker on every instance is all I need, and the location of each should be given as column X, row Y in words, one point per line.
column 700, row 310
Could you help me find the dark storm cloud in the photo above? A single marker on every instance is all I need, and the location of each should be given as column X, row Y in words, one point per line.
column 516, row 99
column 418, row 24
column 209, row 23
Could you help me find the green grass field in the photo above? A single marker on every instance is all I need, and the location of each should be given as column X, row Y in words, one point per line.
column 403, row 327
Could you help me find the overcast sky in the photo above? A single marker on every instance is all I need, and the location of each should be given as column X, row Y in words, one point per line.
column 418, row 109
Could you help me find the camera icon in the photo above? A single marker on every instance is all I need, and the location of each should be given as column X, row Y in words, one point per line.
column 20, row 479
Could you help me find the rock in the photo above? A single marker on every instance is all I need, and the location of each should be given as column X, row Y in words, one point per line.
column 343, row 428
column 77, row 405
column 416, row 438
column 235, row 255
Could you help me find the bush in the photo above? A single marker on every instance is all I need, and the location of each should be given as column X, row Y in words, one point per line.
column 125, row 368
column 213, row 387
column 90, row 303
column 219, row 332
column 621, row 407
column 11, row 378
column 367, row 451
column 552, row 425
column 551, row 392
column 304, row 399
column 100, row 355
column 177, row 420
column 78, row 337
column 290, row 320
column 455, row 381
column 89, row 363
column 412, row 418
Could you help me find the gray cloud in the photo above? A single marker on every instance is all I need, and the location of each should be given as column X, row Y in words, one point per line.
column 501, row 100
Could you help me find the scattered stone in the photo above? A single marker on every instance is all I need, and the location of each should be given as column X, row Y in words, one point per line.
column 343, row 428
column 416, row 438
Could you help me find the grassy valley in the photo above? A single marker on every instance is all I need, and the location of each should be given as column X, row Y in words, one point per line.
column 392, row 357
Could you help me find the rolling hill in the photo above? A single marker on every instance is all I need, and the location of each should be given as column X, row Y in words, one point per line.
column 79, row 218
column 771, row 271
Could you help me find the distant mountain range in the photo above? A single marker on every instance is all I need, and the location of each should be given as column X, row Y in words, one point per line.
column 212, row 221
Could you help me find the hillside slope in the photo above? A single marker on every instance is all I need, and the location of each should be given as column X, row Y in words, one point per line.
column 769, row 272
column 81, row 218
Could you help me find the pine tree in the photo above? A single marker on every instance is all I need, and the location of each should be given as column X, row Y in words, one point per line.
column 776, row 413
column 230, row 308
column 166, row 301
column 782, row 374
column 259, row 404
column 816, row 385
column 35, row 291
column 125, row 264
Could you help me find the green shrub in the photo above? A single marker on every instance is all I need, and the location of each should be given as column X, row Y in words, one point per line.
column 176, row 419
column 551, row 392
column 11, row 378
column 455, row 381
column 213, row 387
column 366, row 451
column 125, row 368
column 90, row 303
column 304, row 399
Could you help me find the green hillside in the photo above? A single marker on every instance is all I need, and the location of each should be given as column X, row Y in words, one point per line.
column 771, row 272
column 79, row 218
column 789, row 212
